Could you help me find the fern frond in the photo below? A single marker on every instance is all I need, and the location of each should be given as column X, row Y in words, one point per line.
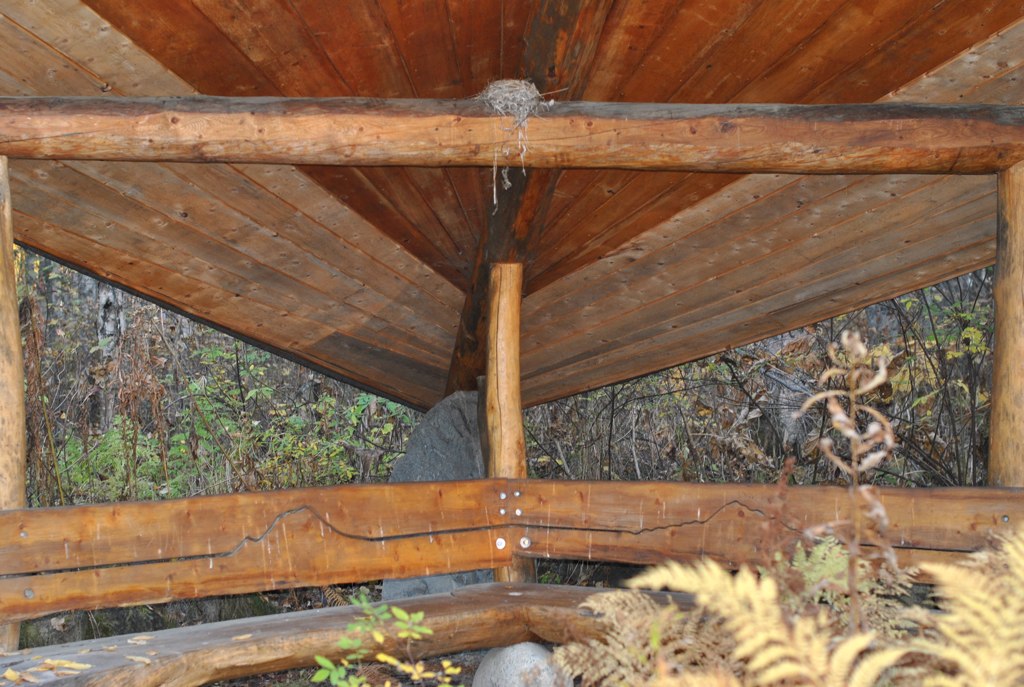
column 872, row 666
column 981, row 631
column 772, row 648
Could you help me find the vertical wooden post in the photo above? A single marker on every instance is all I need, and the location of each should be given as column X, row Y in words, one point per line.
column 505, row 438
column 12, row 381
column 1006, row 433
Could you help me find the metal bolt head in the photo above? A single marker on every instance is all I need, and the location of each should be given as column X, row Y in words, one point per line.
column 29, row 594
column 500, row 543
column 517, row 493
column 502, row 496
column 501, row 511
column 519, row 511
column 1006, row 518
column 525, row 542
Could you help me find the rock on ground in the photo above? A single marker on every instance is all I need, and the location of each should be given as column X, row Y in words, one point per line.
column 520, row 665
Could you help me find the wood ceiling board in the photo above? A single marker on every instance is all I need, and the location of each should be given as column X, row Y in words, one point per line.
column 403, row 204
column 448, row 217
column 175, row 216
column 941, row 35
column 278, row 331
column 784, row 251
column 725, row 262
column 987, row 73
column 404, row 293
column 73, row 30
column 651, row 49
column 193, row 44
column 595, row 212
column 366, row 250
column 707, row 336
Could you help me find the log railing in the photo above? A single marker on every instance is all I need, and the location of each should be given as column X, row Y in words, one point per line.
column 87, row 557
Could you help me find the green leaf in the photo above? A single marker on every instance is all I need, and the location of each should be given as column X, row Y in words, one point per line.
column 321, row 675
column 324, row 662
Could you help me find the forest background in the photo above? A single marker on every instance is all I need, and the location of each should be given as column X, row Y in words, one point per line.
column 127, row 401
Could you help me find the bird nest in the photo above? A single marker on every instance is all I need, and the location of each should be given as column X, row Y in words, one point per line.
column 517, row 100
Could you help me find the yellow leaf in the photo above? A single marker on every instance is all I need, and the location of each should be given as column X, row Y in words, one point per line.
column 140, row 639
column 139, row 659
column 63, row 663
column 12, row 674
column 238, row 638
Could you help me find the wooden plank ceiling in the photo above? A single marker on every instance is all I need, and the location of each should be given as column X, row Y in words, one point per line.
column 376, row 275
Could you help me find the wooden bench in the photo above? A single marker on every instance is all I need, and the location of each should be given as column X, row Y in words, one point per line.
column 477, row 617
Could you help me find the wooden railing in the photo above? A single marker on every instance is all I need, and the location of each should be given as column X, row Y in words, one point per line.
column 88, row 557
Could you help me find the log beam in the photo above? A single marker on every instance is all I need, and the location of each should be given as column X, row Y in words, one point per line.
column 505, row 437
column 885, row 138
column 12, row 381
column 1006, row 435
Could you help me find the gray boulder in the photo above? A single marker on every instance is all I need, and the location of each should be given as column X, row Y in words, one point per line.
column 444, row 446
column 520, row 665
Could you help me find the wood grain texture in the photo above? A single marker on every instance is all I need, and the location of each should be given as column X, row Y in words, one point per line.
column 399, row 245
column 362, row 49
column 272, row 219
column 818, row 139
column 13, row 457
column 1006, row 437
column 101, row 556
column 648, row 522
column 475, row 617
column 504, row 402
column 858, row 54
column 785, row 221
column 506, row 440
column 123, row 554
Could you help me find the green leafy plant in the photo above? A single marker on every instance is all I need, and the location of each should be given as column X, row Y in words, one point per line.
column 378, row 622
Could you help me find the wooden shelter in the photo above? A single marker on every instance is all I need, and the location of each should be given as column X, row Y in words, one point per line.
column 318, row 178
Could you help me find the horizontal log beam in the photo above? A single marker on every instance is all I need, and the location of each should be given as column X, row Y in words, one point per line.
column 87, row 557
column 649, row 522
column 804, row 139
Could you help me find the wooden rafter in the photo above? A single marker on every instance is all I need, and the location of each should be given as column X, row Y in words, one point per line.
column 806, row 139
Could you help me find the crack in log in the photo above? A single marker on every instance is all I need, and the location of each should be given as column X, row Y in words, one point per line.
column 667, row 526
column 704, row 521
column 250, row 539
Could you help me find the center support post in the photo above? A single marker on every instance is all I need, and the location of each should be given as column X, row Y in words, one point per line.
column 506, row 441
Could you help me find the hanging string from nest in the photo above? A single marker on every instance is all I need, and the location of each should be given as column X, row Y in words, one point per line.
column 517, row 100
